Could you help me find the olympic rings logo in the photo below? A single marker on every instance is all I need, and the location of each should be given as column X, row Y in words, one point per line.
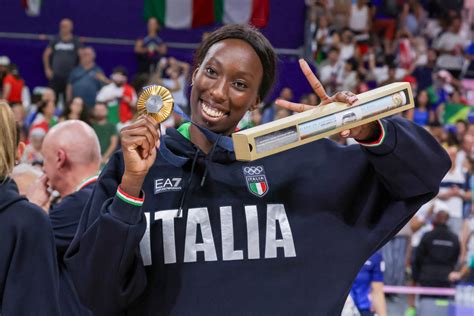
column 253, row 170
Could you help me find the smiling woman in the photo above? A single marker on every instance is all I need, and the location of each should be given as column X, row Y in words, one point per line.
column 187, row 230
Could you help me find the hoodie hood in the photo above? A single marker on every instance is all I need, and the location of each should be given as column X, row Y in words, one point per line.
column 9, row 194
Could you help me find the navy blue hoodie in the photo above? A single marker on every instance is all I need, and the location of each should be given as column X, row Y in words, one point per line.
column 65, row 218
column 283, row 235
column 28, row 269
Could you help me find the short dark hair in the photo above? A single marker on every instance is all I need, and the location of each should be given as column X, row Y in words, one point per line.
column 254, row 38
column 121, row 70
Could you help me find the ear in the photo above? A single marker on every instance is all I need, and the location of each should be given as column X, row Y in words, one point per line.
column 61, row 159
column 193, row 77
column 254, row 106
column 20, row 150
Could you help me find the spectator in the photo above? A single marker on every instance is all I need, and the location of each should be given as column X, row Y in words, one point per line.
column 106, row 132
column 86, row 79
column 174, row 77
column 28, row 269
column 45, row 117
column 359, row 21
column 341, row 12
column 385, row 14
column 32, row 151
column 435, row 258
column 454, row 190
column 331, row 71
column 423, row 72
column 348, row 78
column 13, row 86
column 4, row 64
column 76, row 110
column 150, row 49
column 71, row 163
column 367, row 289
column 60, row 57
column 346, row 46
column 437, row 253
column 269, row 110
column 422, row 114
column 450, row 46
column 323, row 38
column 119, row 96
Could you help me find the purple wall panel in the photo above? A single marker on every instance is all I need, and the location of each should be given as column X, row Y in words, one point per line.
column 123, row 19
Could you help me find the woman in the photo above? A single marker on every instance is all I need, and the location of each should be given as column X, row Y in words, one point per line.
column 190, row 230
column 422, row 114
column 75, row 111
column 13, row 86
column 151, row 48
column 28, row 271
column 45, row 117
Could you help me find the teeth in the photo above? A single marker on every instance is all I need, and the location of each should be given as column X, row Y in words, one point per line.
column 211, row 111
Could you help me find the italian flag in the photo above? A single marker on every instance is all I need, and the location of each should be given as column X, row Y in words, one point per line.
column 258, row 187
column 183, row 14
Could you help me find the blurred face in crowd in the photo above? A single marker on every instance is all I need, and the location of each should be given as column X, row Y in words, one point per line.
column 87, row 55
column 153, row 25
column 65, row 27
column 100, row 111
column 461, row 128
column 422, row 99
column 456, row 25
column 467, row 143
column 49, row 109
column 432, row 56
column 37, row 141
column 118, row 78
column 347, row 37
column 77, row 105
column 333, row 56
column 49, row 95
column 323, row 22
column 439, row 133
column 226, row 85
column 313, row 99
column 455, row 97
column 281, row 113
column 286, row 94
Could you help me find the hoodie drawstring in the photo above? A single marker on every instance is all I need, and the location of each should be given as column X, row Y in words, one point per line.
column 188, row 185
column 209, row 157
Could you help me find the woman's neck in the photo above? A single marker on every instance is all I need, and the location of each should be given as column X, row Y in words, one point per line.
column 199, row 139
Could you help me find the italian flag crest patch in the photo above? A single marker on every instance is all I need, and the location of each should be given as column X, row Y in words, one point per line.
column 256, row 180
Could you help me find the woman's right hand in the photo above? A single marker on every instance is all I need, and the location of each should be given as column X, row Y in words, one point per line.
column 139, row 141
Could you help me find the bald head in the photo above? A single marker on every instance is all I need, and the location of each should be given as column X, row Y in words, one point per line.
column 71, row 154
column 78, row 141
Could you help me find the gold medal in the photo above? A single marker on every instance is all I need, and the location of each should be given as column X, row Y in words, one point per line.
column 155, row 101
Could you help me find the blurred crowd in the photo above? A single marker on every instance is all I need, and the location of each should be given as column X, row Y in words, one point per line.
column 353, row 45
column 360, row 45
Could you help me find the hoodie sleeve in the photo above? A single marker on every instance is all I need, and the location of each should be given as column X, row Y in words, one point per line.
column 408, row 161
column 28, row 268
column 104, row 257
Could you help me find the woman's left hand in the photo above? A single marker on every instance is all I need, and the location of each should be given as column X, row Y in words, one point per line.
column 360, row 133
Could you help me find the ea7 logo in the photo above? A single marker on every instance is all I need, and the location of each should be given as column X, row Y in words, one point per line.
column 167, row 184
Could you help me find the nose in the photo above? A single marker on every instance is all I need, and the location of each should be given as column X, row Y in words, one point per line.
column 219, row 90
